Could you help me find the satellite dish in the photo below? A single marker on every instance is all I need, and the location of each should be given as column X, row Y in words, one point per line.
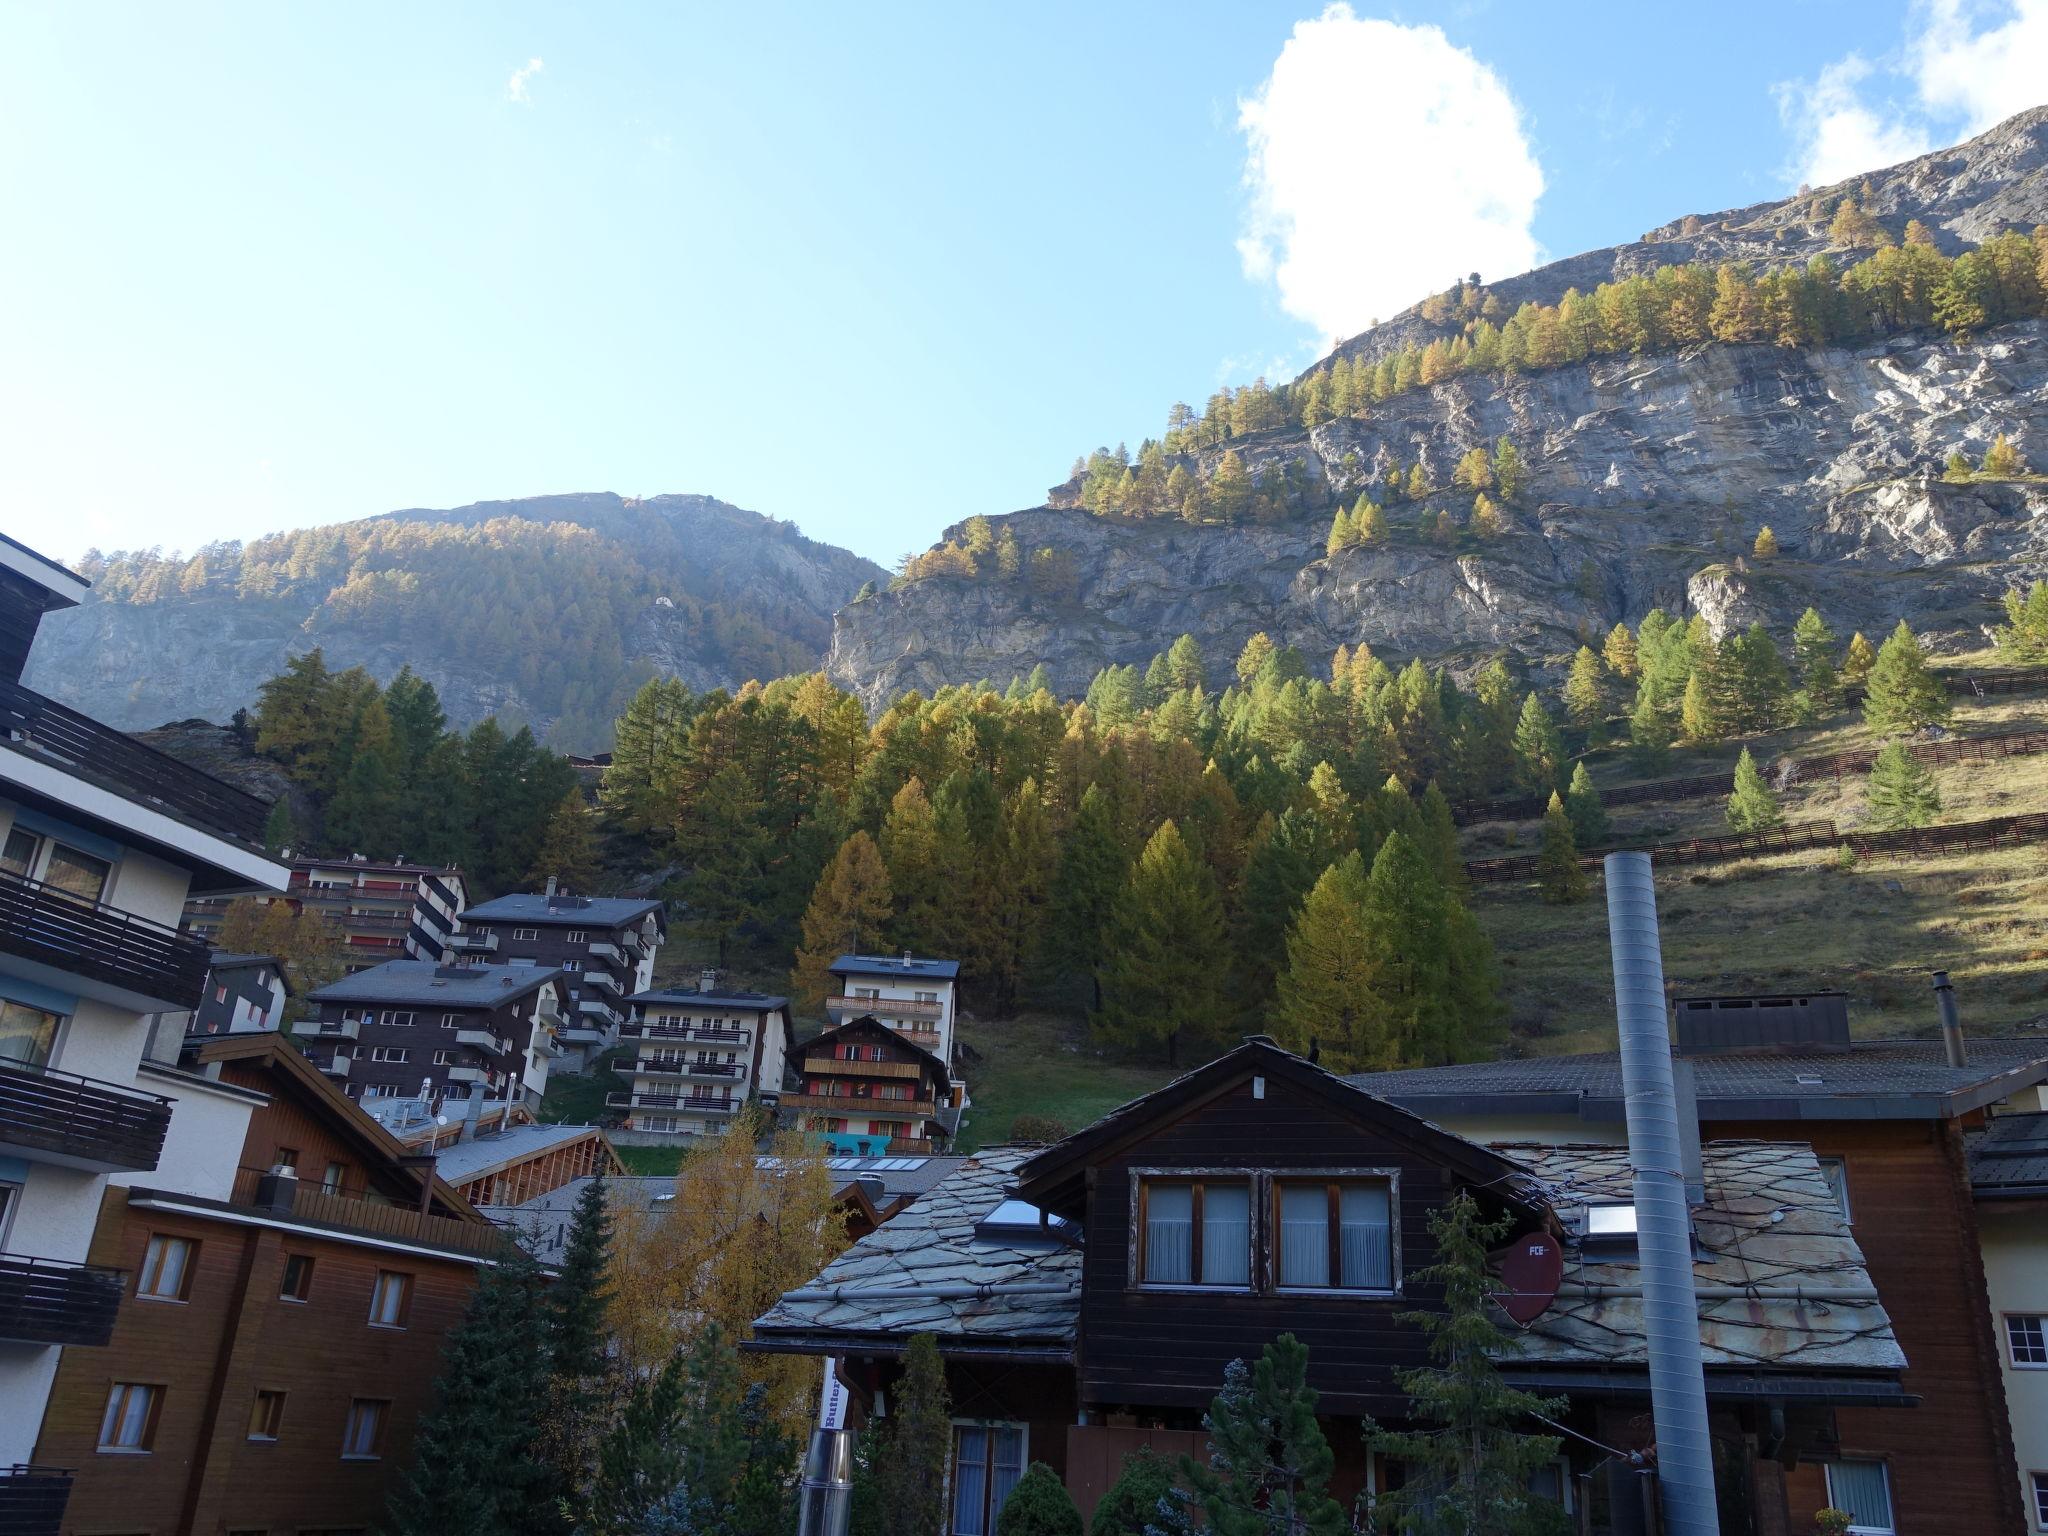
column 1530, row 1271
column 440, row 1119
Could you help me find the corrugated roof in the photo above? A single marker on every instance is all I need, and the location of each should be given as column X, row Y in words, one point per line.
column 1872, row 1079
column 590, row 911
column 480, row 1154
column 1770, row 1228
column 934, row 1243
column 2010, row 1155
column 418, row 981
column 894, row 965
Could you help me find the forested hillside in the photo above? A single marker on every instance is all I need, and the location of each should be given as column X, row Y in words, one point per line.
column 547, row 612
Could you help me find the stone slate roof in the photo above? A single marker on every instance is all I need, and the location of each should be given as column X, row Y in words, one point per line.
column 416, row 981
column 934, row 1244
column 1873, row 1079
column 2009, row 1157
column 894, row 965
column 690, row 998
column 1769, row 1225
column 531, row 909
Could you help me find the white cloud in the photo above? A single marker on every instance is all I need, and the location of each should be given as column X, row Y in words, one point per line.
column 1962, row 67
column 1348, row 234
column 515, row 88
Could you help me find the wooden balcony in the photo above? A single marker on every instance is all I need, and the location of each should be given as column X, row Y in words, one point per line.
column 108, row 955
column 80, row 1122
column 894, row 1007
column 311, row 1206
column 47, row 1301
column 695, row 1104
column 848, row 1104
column 42, row 728
column 32, row 1499
column 832, row 1066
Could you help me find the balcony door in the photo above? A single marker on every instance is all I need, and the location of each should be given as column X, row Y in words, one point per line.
column 45, row 859
column 28, row 1035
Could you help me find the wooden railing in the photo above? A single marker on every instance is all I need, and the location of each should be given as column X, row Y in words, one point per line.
column 49, row 1111
column 121, row 763
column 1695, row 850
column 849, row 1104
column 44, row 923
column 47, row 1301
column 832, row 1067
column 899, row 1007
column 346, row 1209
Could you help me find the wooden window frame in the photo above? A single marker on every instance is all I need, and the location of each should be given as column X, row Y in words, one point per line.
column 1333, row 1179
column 272, row 1422
column 404, row 1280
column 1198, row 1177
column 301, row 1297
column 147, row 1445
column 348, row 1424
column 953, row 1463
column 145, row 1271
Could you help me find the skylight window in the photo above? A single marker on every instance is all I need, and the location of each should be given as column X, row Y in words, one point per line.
column 1611, row 1221
column 1017, row 1221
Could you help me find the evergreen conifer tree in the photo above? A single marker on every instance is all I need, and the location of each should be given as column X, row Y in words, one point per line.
column 280, row 831
column 1559, row 874
column 1329, row 994
column 1471, row 1455
column 1813, row 658
column 1510, row 477
column 2024, row 635
column 1649, row 733
column 1132, row 1507
column 917, row 1445
column 579, row 1363
column 568, row 849
column 1752, row 807
column 1957, row 468
column 1039, row 1505
column 1539, row 752
column 1901, row 791
column 1582, row 805
column 1165, row 936
column 1904, row 694
column 1093, row 867
column 1585, row 691
column 1269, row 1465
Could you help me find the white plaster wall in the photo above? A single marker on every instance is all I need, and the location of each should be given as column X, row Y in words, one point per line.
column 25, row 1375
column 204, row 1144
column 2015, row 1242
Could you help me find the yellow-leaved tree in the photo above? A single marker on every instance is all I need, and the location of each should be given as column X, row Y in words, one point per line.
column 743, row 1228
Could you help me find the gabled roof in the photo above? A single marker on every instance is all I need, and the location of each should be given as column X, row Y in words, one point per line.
column 894, row 965
column 495, row 1150
column 684, row 997
column 1043, row 1174
column 218, row 961
column 1872, row 1080
column 2009, row 1158
column 421, row 982
column 537, row 909
column 868, row 1024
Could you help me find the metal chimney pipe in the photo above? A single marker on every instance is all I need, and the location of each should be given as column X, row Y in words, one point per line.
column 825, row 1496
column 1951, row 1022
column 1678, row 1384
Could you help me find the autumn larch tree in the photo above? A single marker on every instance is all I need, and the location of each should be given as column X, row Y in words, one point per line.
column 848, row 913
column 1160, row 973
column 1328, row 995
column 1539, row 752
column 568, row 849
column 1559, row 875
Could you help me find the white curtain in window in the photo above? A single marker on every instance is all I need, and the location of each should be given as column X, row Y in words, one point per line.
column 170, row 1274
column 1365, row 1236
column 970, row 1480
column 1304, row 1235
column 1169, row 1234
column 1226, row 1234
column 1858, row 1489
column 1008, row 1466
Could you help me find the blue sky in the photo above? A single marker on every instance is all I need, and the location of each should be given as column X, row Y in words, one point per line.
column 871, row 269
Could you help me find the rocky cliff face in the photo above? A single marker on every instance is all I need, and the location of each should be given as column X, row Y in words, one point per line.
column 1649, row 479
column 712, row 587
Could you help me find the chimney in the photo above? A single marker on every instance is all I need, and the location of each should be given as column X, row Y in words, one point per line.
column 277, row 1190
column 1951, row 1022
column 707, row 980
column 906, row 957
column 1678, row 1387
column 551, row 887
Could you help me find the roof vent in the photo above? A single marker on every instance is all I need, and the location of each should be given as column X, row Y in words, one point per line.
column 1797, row 1023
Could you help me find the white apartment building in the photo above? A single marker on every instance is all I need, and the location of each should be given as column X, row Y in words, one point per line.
column 913, row 997
column 102, row 840
column 698, row 1057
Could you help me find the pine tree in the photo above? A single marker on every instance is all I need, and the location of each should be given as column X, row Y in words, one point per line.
column 1582, row 805
column 568, row 850
column 1585, row 691
column 1165, row 935
column 1369, row 522
column 579, row 1361
column 1134, row 1499
column 1752, row 807
column 474, row 1470
column 1903, row 694
column 1813, row 657
column 1766, row 545
column 1328, row 995
column 1558, row 872
column 1957, row 468
column 1185, row 664
column 1509, row 475
column 1039, row 1505
column 1437, row 970
column 1269, row 1465
column 848, row 913
column 1901, row 791
column 2002, row 461
column 917, row 1445
column 1539, row 752
column 2024, row 635
column 1696, row 713
column 1093, row 867
column 280, row 831
column 1620, row 653
column 1649, row 733
column 1471, row 1465
column 1752, row 682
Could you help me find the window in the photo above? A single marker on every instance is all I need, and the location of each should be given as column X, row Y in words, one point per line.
column 449, row 1021
column 1334, row 1234
column 79, row 874
column 129, row 1423
column 266, row 1415
column 27, row 1035
column 444, row 1058
column 297, row 1284
column 577, row 936
column 19, row 857
column 927, row 997
column 166, row 1266
column 2027, row 1337
column 330, row 1181
column 1861, row 1490
column 1195, row 1232
column 396, row 1018
column 987, row 1461
column 2039, row 1483
column 655, row 1123
column 572, row 965
column 1836, row 1172
column 287, row 1157
column 390, row 1053
column 525, row 933
column 220, row 994
column 387, row 1302
column 363, row 1438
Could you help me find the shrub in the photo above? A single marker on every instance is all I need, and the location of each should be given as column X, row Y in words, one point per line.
column 1132, row 1502
column 1038, row 1130
column 1039, row 1506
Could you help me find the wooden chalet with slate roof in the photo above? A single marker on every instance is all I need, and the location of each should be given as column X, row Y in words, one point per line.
column 1087, row 1297
column 866, row 1089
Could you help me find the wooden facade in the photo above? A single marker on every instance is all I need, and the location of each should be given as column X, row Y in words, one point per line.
column 864, row 1080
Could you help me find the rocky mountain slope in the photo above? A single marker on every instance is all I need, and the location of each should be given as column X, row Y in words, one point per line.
column 1649, row 478
column 548, row 609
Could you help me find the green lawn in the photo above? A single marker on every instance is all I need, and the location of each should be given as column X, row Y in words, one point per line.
column 650, row 1160
column 578, row 1098
column 1041, row 1064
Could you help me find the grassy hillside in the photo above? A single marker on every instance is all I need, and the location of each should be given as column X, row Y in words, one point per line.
column 1872, row 927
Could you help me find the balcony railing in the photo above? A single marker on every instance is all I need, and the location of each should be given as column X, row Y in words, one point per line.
column 895, row 1007
column 605, row 950
column 80, row 1121
column 42, row 727
column 47, row 1301
column 482, row 1040
column 695, row 1102
column 347, row 1210
column 332, row 1029
column 659, row 1031
column 850, row 1104
column 484, row 941
column 32, row 1499
column 657, row 1066
column 337, row 1066
column 118, row 950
